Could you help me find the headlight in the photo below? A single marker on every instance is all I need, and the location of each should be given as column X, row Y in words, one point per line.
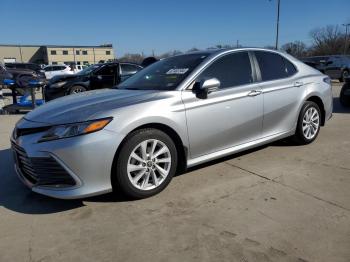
column 58, row 84
column 76, row 129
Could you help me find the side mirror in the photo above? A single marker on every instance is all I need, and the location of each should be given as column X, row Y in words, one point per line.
column 206, row 86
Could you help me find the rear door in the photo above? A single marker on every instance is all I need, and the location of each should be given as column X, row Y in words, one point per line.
column 281, row 91
column 127, row 70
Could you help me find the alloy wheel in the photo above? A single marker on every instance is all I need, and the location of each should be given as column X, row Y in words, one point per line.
column 77, row 90
column 149, row 164
column 311, row 123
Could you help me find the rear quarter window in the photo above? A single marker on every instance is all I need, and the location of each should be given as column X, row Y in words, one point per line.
column 274, row 66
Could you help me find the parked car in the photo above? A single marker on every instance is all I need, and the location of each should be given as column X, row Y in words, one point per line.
column 30, row 66
column 176, row 113
column 55, row 70
column 335, row 66
column 21, row 77
column 93, row 77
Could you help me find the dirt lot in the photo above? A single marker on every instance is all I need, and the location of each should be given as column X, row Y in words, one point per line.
column 276, row 203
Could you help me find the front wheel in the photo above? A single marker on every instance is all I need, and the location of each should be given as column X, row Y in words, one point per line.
column 146, row 163
column 309, row 123
column 77, row 89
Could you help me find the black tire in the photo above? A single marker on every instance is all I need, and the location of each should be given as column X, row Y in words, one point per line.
column 77, row 89
column 120, row 179
column 345, row 99
column 299, row 136
column 344, row 75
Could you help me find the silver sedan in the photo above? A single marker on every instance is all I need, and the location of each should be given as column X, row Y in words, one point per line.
column 176, row 113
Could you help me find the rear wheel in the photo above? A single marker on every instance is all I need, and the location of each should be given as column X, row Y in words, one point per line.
column 146, row 163
column 77, row 89
column 309, row 123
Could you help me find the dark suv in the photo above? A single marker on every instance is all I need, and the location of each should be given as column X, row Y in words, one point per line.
column 97, row 76
column 335, row 66
column 29, row 66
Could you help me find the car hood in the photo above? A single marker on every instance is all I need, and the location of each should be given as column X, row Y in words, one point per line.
column 86, row 106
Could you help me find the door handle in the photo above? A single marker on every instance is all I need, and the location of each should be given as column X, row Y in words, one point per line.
column 254, row 93
column 298, row 84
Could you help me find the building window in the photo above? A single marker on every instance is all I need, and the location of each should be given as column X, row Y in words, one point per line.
column 65, row 52
column 85, row 52
column 77, row 52
column 108, row 52
column 85, row 63
column 78, row 63
column 53, row 52
column 54, row 63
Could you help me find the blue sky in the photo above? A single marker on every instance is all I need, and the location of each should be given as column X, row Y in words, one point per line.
column 160, row 25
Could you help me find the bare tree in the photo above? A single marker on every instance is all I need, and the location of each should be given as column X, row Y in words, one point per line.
column 133, row 58
column 327, row 40
column 296, row 48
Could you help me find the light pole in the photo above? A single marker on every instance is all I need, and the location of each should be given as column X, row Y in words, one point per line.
column 278, row 22
column 346, row 37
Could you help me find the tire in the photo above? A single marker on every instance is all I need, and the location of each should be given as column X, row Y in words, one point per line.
column 77, row 89
column 302, row 135
column 138, row 176
column 344, row 75
column 345, row 99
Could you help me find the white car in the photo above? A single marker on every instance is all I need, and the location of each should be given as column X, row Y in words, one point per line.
column 78, row 68
column 54, row 70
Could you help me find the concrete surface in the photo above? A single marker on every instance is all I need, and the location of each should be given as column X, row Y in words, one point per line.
column 276, row 203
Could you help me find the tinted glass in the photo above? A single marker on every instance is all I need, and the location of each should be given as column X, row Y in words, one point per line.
column 273, row 66
column 106, row 71
column 290, row 68
column 231, row 70
column 48, row 68
column 129, row 69
column 165, row 74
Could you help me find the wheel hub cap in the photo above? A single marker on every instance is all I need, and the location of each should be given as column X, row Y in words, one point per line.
column 149, row 164
column 311, row 123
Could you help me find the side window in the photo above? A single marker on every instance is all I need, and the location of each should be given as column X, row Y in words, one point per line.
column 106, row 71
column 48, row 68
column 127, row 69
column 273, row 66
column 290, row 68
column 231, row 70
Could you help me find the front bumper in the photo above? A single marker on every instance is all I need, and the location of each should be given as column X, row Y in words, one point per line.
column 87, row 160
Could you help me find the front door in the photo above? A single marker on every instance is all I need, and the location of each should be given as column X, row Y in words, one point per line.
column 228, row 117
column 105, row 77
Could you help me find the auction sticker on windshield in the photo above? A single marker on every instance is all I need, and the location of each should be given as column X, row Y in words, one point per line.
column 177, row 71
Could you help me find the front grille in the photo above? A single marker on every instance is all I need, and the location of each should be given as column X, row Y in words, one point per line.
column 41, row 171
column 27, row 131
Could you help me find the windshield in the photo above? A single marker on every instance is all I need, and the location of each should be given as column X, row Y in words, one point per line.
column 88, row 70
column 165, row 74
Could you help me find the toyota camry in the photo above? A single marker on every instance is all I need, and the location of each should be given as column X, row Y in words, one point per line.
column 177, row 113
